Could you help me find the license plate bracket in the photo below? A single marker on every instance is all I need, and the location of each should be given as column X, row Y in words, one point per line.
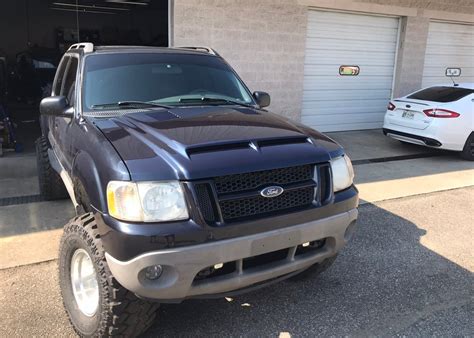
column 407, row 114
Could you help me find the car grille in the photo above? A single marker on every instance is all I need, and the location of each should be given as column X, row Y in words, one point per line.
column 248, row 181
column 245, row 207
column 234, row 198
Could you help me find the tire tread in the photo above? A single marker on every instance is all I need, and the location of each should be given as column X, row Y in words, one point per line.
column 50, row 183
column 123, row 313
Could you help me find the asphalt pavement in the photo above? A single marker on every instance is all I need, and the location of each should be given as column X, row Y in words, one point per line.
column 408, row 271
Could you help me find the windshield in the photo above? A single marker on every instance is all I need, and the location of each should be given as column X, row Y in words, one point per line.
column 167, row 79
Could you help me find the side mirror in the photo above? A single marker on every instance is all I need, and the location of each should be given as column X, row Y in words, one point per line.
column 55, row 105
column 262, row 98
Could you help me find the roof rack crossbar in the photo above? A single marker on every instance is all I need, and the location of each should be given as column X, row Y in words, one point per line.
column 87, row 47
column 201, row 48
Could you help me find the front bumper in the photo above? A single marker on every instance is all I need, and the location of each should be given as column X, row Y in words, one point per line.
column 181, row 265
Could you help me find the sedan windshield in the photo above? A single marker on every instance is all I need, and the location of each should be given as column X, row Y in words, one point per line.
column 165, row 79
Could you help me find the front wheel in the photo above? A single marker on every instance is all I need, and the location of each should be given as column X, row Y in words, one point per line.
column 96, row 304
column 468, row 150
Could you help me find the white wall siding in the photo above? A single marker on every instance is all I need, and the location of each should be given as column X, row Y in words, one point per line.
column 332, row 102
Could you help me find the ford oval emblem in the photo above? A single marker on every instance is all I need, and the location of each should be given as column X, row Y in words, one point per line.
column 272, row 191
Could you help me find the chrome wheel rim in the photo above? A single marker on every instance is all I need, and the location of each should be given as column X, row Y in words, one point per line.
column 85, row 286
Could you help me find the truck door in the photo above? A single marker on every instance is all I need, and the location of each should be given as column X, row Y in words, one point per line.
column 65, row 85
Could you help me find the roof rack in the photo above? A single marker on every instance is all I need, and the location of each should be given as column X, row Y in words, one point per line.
column 87, row 47
column 202, row 48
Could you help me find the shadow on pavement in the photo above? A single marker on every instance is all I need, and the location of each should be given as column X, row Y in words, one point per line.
column 385, row 282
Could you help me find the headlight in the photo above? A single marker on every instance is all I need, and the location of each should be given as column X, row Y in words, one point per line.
column 342, row 173
column 146, row 201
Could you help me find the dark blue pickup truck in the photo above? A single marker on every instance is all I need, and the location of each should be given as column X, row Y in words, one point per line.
column 184, row 186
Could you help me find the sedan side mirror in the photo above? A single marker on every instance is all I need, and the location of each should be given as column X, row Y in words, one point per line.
column 262, row 98
column 56, row 106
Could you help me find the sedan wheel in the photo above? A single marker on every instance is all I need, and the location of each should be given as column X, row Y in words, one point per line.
column 468, row 151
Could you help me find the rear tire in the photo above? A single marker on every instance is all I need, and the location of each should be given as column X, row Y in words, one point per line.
column 50, row 183
column 468, row 150
column 314, row 270
column 119, row 311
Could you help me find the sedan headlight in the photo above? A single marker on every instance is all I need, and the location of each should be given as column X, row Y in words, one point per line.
column 146, row 201
column 342, row 173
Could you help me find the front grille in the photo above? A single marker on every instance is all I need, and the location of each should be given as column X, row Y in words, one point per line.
column 258, row 205
column 248, row 181
column 235, row 198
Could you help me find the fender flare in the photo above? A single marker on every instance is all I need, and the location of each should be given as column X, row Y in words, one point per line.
column 87, row 180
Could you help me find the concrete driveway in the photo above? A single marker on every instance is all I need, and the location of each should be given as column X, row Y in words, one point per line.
column 408, row 271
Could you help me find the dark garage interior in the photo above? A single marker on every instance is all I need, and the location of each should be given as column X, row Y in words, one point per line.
column 35, row 33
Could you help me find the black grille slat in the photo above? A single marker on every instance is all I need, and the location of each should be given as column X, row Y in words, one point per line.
column 258, row 206
column 203, row 195
column 249, row 181
column 324, row 183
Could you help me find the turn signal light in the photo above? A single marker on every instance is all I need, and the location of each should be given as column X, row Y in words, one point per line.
column 391, row 106
column 440, row 113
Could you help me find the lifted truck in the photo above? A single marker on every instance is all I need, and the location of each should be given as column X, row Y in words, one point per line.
column 184, row 186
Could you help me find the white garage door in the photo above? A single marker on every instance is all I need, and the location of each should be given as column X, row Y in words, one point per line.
column 332, row 102
column 449, row 45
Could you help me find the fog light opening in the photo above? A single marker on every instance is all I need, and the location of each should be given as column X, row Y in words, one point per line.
column 349, row 232
column 153, row 272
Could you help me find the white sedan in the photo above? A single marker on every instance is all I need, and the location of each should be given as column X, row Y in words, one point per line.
column 439, row 117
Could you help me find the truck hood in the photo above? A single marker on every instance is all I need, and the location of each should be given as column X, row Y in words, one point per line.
column 201, row 142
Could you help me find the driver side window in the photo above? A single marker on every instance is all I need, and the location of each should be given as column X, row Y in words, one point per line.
column 60, row 77
column 69, row 84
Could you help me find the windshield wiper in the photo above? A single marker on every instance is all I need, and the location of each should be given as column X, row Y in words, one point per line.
column 128, row 104
column 215, row 99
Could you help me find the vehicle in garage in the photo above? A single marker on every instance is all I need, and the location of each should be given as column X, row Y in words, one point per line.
column 440, row 117
column 183, row 184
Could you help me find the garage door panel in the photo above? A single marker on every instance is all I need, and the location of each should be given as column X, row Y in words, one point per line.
column 449, row 50
column 367, row 117
column 331, row 69
column 357, row 58
column 346, row 126
column 318, row 43
column 333, row 102
column 324, row 18
column 448, row 60
column 343, row 104
column 449, row 41
column 354, row 36
column 309, row 113
column 448, row 45
column 434, row 72
column 336, row 95
column 444, row 27
column 365, row 84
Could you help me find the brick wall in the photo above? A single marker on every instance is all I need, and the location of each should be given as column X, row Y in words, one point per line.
column 411, row 55
column 264, row 41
